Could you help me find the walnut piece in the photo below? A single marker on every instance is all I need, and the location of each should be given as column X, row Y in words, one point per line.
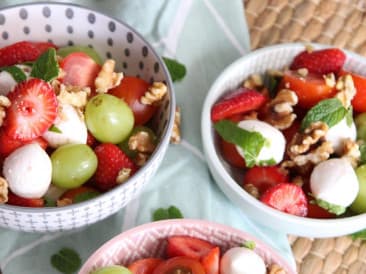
column 73, row 95
column 276, row 269
column 141, row 142
column 123, row 175
column 254, row 81
column 4, row 103
column 252, row 190
column 175, row 138
column 351, row 152
column 154, row 94
column 4, row 190
column 141, row 158
column 346, row 90
column 280, row 109
column 330, row 80
column 63, row 202
column 107, row 78
column 303, row 72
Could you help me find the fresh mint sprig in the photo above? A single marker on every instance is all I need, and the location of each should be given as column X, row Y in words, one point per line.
column 66, row 260
column 176, row 70
column 46, row 66
column 15, row 72
column 171, row 212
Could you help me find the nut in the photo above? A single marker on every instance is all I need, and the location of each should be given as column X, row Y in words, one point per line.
column 346, row 90
column 175, row 138
column 276, row 269
column 107, row 78
column 73, row 95
column 63, row 202
column 303, row 72
column 351, row 152
column 252, row 190
column 141, row 142
column 154, row 94
column 4, row 103
column 141, row 158
column 330, row 80
column 4, row 190
column 123, row 175
column 254, row 81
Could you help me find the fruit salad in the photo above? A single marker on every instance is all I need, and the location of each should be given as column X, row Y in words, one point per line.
column 297, row 135
column 185, row 254
column 71, row 127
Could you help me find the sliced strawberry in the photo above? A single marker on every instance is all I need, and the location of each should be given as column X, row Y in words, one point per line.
column 286, row 197
column 111, row 160
column 264, row 178
column 33, row 110
column 22, row 52
column 231, row 155
column 144, row 266
column 320, row 61
column 80, row 70
column 188, row 246
column 210, row 262
column 241, row 101
column 27, row 202
column 315, row 211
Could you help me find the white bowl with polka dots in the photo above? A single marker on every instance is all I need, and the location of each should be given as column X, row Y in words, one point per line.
column 67, row 24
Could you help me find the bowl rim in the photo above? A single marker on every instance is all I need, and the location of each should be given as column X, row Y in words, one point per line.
column 165, row 138
column 213, row 159
column 186, row 222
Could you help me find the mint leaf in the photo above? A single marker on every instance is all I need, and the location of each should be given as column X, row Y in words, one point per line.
column 250, row 142
column 85, row 196
column 46, row 66
column 49, row 202
column 171, row 212
column 249, row 244
column 66, row 260
column 177, row 70
column 332, row 208
column 55, row 129
column 271, row 83
column 15, row 72
column 359, row 235
column 329, row 111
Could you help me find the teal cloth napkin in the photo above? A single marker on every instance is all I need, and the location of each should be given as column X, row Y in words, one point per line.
column 205, row 35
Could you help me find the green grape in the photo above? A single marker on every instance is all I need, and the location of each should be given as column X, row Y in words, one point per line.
column 64, row 51
column 73, row 165
column 109, row 118
column 360, row 122
column 113, row 269
column 359, row 204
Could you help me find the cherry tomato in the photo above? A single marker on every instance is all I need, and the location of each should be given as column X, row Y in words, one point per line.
column 315, row 211
column 310, row 89
column 131, row 90
column 359, row 101
column 183, row 264
column 231, row 155
column 80, row 70
column 144, row 266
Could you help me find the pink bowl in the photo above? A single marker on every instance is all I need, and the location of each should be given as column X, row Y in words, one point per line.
column 148, row 240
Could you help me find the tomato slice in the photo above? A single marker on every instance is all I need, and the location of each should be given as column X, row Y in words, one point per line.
column 80, row 70
column 310, row 89
column 211, row 262
column 359, row 101
column 187, row 246
column 183, row 264
column 144, row 266
column 131, row 90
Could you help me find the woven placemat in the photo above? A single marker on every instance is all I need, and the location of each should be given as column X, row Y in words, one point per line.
column 340, row 23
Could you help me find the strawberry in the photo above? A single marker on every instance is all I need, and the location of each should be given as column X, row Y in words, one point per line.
column 188, row 246
column 320, row 61
column 110, row 161
column 33, row 110
column 210, row 262
column 241, row 101
column 144, row 266
column 22, row 52
column 287, row 197
column 91, row 141
column 264, row 178
column 27, row 202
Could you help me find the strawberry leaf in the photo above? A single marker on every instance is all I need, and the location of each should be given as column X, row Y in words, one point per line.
column 66, row 260
column 329, row 111
column 250, row 142
column 46, row 66
column 177, row 70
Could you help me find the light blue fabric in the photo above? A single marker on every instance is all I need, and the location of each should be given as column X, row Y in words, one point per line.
column 205, row 35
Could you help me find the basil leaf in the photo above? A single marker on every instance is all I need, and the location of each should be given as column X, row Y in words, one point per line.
column 55, row 129
column 15, row 72
column 332, row 208
column 66, row 260
column 249, row 244
column 359, row 235
column 46, row 66
column 85, row 196
column 329, row 111
column 177, row 70
column 251, row 142
column 171, row 212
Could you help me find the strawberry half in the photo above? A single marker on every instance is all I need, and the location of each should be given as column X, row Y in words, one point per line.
column 265, row 177
column 320, row 61
column 211, row 262
column 287, row 197
column 111, row 159
column 22, row 52
column 27, row 202
column 187, row 246
column 241, row 101
column 33, row 110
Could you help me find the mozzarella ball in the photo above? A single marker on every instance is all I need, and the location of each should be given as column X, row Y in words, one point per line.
column 339, row 132
column 28, row 171
column 241, row 260
column 335, row 182
column 72, row 127
column 274, row 147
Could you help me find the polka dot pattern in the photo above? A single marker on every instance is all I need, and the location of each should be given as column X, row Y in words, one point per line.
column 133, row 55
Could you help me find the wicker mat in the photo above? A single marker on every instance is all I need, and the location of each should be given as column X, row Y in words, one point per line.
column 340, row 23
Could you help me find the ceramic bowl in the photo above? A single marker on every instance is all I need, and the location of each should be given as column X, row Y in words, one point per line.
column 227, row 178
column 67, row 24
column 148, row 240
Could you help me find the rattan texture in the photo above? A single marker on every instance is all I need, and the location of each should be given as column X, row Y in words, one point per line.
column 341, row 23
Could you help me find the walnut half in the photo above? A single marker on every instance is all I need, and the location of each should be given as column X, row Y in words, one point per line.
column 4, row 103
column 3, row 190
